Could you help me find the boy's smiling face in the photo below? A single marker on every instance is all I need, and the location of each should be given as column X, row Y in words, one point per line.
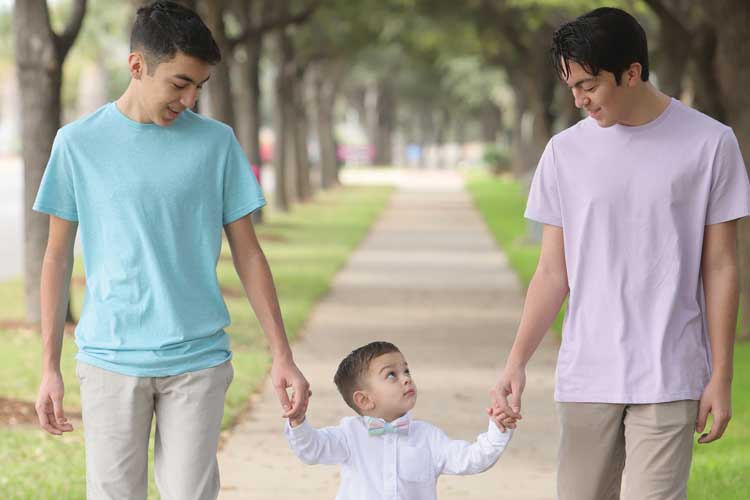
column 389, row 390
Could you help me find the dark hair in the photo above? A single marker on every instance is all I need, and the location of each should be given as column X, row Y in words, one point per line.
column 352, row 370
column 163, row 28
column 604, row 39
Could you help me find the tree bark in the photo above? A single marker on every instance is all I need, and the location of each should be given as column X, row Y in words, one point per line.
column 704, row 73
column 326, row 84
column 283, row 155
column 731, row 18
column 219, row 87
column 490, row 121
column 301, row 131
column 40, row 54
column 385, row 121
column 674, row 47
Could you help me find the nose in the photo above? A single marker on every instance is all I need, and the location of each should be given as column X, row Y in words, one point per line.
column 189, row 96
column 580, row 99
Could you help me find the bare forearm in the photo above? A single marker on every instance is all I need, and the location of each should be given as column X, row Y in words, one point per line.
column 722, row 298
column 55, row 290
column 257, row 280
column 544, row 298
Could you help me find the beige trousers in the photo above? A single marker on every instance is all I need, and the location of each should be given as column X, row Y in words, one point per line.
column 633, row 452
column 117, row 418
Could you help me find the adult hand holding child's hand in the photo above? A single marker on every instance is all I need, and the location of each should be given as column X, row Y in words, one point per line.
column 511, row 383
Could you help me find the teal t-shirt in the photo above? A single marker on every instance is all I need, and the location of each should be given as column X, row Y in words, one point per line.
column 150, row 202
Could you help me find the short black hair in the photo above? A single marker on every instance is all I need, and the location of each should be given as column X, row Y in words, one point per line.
column 604, row 39
column 352, row 370
column 163, row 28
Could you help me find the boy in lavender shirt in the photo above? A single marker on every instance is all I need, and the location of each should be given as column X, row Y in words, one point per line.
column 639, row 203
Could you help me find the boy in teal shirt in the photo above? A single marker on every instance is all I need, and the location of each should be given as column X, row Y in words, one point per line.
column 151, row 185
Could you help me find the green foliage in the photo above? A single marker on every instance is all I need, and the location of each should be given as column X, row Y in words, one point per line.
column 497, row 159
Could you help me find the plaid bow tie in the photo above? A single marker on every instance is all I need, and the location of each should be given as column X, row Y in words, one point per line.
column 378, row 426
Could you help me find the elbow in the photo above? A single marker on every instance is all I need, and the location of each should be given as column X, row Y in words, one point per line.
column 552, row 278
column 309, row 455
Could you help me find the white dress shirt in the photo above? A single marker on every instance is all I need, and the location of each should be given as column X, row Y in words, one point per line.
column 402, row 465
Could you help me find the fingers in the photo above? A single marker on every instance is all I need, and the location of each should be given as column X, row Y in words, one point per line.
column 47, row 421
column 302, row 393
column 499, row 399
column 502, row 419
column 700, row 422
column 515, row 401
column 283, row 396
column 718, row 426
column 58, row 417
column 43, row 416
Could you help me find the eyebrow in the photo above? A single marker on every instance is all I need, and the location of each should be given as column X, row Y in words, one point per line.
column 581, row 82
column 406, row 365
column 190, row 80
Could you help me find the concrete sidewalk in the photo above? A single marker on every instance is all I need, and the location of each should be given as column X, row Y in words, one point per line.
column 431, row 279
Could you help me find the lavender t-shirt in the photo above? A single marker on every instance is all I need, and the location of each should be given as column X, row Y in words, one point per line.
column 633, row 203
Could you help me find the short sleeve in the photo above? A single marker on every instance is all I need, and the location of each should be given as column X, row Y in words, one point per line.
column 57, row 194
column 543, row 204
column 242, row 194
column 729, row 197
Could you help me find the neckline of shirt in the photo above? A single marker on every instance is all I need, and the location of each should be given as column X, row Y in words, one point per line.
column 123, row 118
column 633, row 129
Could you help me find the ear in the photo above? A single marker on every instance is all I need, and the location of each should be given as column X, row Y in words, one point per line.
column 632, row 75
column 363, row 401
column 137, row 65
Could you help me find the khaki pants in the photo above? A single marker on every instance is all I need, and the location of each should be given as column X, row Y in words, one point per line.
column 633, row 452
column 117, row 417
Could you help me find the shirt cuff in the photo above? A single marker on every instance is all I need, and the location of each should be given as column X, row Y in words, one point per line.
column 496, row 436
column 297, row 433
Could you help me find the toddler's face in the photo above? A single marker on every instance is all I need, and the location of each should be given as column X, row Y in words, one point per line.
column 390, row 387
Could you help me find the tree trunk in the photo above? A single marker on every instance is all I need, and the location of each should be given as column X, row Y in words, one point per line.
column 441, row 133
column 219, row 87
column 284, row 122
column 674, row 46
column 490, row 121
column 40, row 54
column 326, row 78
column 426, row 132
column 704, row 73
column 385, row 121
column 732, row 18
column 248, row 97
column 520, row 136
column 302, row 157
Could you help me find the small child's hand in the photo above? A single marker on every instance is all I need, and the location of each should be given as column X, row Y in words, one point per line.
column 295, row 422
column 501, row 419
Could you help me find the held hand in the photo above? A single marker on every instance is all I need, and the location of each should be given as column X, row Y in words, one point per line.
column 296, row 422
column 285, row 374
column 716, row 400
column 49, row 405
column 511, row 383
column 502, row 421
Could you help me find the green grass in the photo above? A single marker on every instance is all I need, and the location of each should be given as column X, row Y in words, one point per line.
column 305, row 249
column 502, row 201
column 720, row 469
